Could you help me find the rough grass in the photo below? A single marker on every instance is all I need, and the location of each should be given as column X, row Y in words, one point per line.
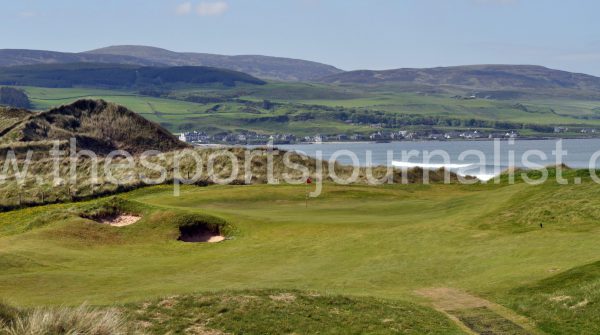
column 8, row 313
column 98, row 126
column 40, row 186
column 285, row 312
column 65, row 321
column 566, row 303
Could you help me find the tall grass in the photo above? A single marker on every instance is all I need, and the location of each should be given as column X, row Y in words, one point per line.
column 82, row 320
column 32, row 192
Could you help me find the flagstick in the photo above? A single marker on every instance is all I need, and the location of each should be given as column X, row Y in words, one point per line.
column 306, row 195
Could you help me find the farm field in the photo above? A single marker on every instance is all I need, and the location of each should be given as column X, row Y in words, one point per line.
column 304, row 108
column 413, row 244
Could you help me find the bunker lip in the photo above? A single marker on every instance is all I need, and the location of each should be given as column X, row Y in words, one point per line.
column 119, row 220
column 199, row 233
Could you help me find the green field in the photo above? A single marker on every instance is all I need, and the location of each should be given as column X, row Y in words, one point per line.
column 413, row 244
column 307, row 108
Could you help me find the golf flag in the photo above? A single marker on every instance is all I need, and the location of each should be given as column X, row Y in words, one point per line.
column 308, row 181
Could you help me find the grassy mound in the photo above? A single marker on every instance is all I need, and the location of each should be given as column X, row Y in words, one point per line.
column 567, row 303
column 285, row 312
column 233, row 312
column 109, row 208
column 98, row 126
column 77, row 225
column 565, row 207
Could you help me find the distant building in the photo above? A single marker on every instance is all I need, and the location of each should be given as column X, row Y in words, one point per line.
column 193, row 137
column 558, row 130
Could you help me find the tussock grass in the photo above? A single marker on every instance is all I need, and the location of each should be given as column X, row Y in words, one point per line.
column 31, row 192
column 8, row 313
column 82, row 320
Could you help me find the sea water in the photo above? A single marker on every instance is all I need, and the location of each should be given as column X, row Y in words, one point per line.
column 483, row 159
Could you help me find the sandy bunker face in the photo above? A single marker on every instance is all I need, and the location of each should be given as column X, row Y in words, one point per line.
column 198, row 233
column 120, row 220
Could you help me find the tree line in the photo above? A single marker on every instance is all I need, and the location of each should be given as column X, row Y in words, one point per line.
column 13, row 97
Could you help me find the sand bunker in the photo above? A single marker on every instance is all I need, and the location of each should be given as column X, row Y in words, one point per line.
column 121, row 220
column 198, row 233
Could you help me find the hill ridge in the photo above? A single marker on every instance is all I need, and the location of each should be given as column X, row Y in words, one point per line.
column 119, row 76
column 264, row 67
column 479, row 76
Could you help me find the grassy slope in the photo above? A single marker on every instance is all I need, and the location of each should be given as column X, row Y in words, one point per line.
column 567, row 303
column 285, row 312
column 540, row 111
column 178, row 115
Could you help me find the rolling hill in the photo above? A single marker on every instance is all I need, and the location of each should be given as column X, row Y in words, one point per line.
column 265, row 67
column 16, row 57
column 119, row 76
column 517, row 78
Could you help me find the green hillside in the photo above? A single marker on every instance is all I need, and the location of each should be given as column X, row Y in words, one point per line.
column 566, row 303
column 308, row 109
column 119, row 76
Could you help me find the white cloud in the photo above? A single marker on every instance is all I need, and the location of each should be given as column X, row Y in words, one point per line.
column 183, row 8
column 212, row 8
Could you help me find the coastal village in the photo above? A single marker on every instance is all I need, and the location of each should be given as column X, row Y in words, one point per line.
column 201, row 137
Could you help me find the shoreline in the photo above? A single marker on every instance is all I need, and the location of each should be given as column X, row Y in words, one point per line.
column 400, row 141
column 451, row 140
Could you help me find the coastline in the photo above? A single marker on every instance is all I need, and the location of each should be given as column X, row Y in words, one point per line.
column 402, row 141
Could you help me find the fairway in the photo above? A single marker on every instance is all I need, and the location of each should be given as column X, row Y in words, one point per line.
column 386, row 242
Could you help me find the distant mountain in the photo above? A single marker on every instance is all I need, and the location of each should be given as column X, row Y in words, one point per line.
column 265, row 67
column 119, row 76
column 478, row 77
column 96, row 124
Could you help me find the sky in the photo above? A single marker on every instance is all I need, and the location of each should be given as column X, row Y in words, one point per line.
column 349, row 34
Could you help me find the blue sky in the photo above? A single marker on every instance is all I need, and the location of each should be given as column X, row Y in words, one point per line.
column 350, row 34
